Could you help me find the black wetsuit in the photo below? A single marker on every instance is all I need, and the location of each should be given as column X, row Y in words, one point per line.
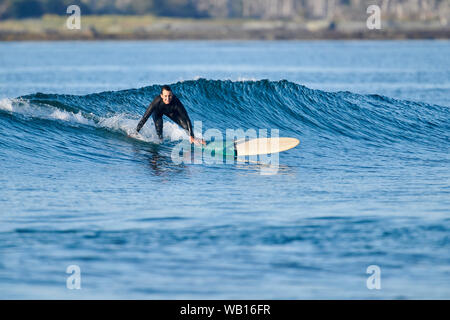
column 174, row 110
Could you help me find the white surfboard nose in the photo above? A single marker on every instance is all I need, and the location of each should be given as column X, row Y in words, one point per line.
column 265, row 146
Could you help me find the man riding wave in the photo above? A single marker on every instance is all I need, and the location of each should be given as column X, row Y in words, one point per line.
column 169, row 105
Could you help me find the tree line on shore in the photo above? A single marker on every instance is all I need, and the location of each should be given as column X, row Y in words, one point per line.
column 265, row 9
column 18, row 9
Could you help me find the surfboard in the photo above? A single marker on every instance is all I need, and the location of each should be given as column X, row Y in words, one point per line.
column 251, row 147
column 224, row 148
column 265, row 146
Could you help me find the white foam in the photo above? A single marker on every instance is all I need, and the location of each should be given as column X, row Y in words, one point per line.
column 71, row 117
column 6, row 105
column 244, row 79
column 121, row 122
column 22, row 107
column 118, row 122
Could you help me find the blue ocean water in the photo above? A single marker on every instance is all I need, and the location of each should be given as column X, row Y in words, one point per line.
column 368, row 185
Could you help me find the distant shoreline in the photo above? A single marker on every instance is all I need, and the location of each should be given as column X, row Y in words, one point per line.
column 10, row 37
column 110, row 27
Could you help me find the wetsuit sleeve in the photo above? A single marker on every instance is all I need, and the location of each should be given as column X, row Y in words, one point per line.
column 185, row 121
column 147, row 114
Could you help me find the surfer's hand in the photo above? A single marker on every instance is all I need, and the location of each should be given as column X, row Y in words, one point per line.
column 196, row 141
column 193, row 140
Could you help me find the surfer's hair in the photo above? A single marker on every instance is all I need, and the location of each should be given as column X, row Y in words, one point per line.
column 167, row 88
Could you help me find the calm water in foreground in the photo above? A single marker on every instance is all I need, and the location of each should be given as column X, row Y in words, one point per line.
column 369, row 183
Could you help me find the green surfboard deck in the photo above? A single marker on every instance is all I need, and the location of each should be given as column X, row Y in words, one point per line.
column 224, row 148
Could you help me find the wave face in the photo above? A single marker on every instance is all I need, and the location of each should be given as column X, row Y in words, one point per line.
column 293, row 109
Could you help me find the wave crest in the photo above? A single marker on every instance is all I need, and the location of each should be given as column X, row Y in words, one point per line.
column 292, row 108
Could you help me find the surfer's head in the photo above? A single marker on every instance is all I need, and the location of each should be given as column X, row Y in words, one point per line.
column 166, row 94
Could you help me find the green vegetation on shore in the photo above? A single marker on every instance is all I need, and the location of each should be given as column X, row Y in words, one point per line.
column 223, row 19
column 53, row 27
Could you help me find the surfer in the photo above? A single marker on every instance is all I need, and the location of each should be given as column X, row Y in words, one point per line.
column 168, row 104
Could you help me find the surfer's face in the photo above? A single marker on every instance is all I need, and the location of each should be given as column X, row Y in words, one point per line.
column 166, row 96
